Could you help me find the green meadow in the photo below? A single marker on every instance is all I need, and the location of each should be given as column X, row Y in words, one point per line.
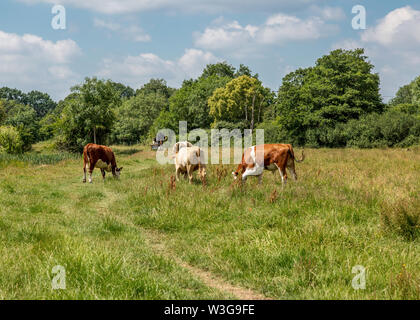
column 145, row 237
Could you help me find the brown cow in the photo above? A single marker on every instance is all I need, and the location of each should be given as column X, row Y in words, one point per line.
column 273, row 157
column 102, row 157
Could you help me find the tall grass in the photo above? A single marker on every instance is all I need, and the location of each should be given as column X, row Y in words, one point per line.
column 349, row 207
column 36, row 158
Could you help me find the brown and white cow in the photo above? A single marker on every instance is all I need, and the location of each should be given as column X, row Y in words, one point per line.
column 270, row 157
column 102, row 157
column 188, row 160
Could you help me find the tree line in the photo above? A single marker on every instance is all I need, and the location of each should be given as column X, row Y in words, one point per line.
column 335, row 103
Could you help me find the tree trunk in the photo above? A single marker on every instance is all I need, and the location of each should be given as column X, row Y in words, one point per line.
column 252, row 113
column 94, row 134
column 259, row 110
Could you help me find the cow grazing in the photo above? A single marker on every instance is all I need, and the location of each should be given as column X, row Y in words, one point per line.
column 179, row 145
column 188, row 160
column 270, row 157
column 102, row 157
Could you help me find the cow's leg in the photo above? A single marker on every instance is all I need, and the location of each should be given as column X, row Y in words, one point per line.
column 190, row 174
column 291, row 168
column 91, row 167
column 283, row 174
column 254, row 171
column 103, row 174
column 84, row 174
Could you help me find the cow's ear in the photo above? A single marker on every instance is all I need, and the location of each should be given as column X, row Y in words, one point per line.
column 120, row 169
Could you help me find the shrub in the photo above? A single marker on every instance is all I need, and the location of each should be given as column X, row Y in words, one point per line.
column 10, row 140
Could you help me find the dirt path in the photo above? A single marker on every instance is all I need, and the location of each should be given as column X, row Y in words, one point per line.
column 154, row 240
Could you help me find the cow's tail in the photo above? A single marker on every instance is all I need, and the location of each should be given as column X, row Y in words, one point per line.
column 292, row 154
column 85, row 156
column 199, row 158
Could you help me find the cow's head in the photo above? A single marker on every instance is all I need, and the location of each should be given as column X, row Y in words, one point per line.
column 117, row 172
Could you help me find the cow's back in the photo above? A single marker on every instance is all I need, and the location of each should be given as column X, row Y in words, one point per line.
column 96, row 152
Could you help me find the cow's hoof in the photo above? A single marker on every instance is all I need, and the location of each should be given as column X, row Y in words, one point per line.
column 84, row 181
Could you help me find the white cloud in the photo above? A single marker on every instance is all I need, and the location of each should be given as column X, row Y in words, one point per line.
column 393, row 46
column 133, row 32
column 329, row 13
column 277, row 29
column 99, row 23
column 29, row 62
column 400, row 26
column 191, row 6
column 137, row 70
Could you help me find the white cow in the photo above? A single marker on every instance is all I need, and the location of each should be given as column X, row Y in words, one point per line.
column 188, row 160
column 179, row 145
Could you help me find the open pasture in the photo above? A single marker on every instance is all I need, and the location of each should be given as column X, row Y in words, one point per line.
column 145, row 237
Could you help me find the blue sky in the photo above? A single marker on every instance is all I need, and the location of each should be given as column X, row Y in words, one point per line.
column 131, row 41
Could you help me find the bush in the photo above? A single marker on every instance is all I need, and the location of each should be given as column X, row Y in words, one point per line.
column 273, row 133
column 390, row 129
column 10, row 140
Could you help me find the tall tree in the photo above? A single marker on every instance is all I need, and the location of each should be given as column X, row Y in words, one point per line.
column 123, row 91
column 242, row 99
column 98, row 99
column 41, row 102
column 136, row 115
column 24, row 119
column 156, row 86
column 341, row 86
column 221, row 69
column 190, row 103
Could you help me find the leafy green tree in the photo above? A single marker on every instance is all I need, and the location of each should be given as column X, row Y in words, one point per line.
column 245, row 71
column 24, row 119
column 156, row 86
column 10, row 140
column 241, row 99
column 407, row 99
column 221, row 69
column 123, row 91
column 404, row 95
column 88, row 114
column 190, row 102
column 339, row 88
column 97, row 100
column 12, row 94
column 41, row 102
column 2, row 111
column 136, row 116
column 415, row 91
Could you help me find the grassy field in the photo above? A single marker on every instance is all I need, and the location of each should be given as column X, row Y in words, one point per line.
column 144, row 238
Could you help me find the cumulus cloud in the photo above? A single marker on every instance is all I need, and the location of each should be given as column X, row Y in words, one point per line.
column 400, row 26
column 137, row 70
column 277, row 29
column 29, row 62
column 393, row 45
column 193, row 6
column 133, row 32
